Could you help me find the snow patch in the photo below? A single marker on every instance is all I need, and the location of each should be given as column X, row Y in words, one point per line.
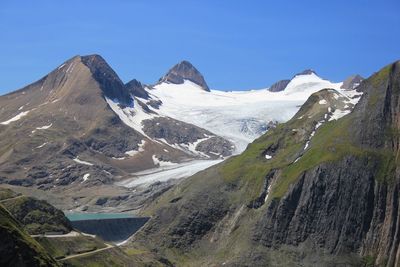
column 268, row 156
column 140, row 149
column 268, row 190
column 338, row 113
column 132, row 116
column 86, row 176
column 42, row 145
column 323, row 102
column 161, row 163
column 77, row 160
column 44, row 127
column 15, row 118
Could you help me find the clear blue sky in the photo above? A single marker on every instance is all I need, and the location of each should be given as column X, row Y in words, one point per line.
column 235, row 44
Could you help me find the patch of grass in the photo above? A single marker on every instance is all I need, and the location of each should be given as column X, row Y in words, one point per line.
column 60, row 247
column 134, row 251
column 369, row 261
column 6, row 193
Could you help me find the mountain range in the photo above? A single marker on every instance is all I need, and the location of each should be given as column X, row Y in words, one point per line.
column 303, row 173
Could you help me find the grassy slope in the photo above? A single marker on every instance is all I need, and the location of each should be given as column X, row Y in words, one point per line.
column 18, row 248
column 37, row 216
column 61, row 247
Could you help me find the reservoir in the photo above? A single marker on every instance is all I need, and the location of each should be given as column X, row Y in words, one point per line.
column 111, row 227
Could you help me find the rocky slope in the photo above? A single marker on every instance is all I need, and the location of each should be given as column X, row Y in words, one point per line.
column 184, row 71
column 321, row 189
column 80, row 126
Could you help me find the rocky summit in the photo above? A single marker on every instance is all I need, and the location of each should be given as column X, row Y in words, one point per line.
column 184, row 71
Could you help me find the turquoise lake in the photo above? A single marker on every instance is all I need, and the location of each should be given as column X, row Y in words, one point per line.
column 96, row 216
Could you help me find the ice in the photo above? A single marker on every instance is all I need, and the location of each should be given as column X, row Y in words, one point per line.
column 239, row 116
column 178, row 171
column 82, row 162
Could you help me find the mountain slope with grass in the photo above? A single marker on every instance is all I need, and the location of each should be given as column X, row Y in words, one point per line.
column 321, row 189
column 17, row 247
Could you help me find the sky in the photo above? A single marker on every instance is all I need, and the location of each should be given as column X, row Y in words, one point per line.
column 236, row 45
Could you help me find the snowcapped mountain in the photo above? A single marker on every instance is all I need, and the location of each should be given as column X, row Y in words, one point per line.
column 80, row 126
column 239, row 116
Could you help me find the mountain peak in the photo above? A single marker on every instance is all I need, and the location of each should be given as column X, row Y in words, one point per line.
column 182, row 71
column 282, row 84
column 136, row 88
column 110, row 83
column 306, row 72
column 352, row 82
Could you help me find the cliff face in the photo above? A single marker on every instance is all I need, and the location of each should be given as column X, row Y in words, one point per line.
column 322, row 184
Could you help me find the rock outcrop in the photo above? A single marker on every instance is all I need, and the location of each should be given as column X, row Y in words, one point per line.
column 279, row 86
column 136, row 88
column 184, row 71
column 352, row 82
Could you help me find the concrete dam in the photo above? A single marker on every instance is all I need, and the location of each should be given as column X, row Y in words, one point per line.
column 113, row 228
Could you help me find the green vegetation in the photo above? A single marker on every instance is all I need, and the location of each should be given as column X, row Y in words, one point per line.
column 17, row 247
column 37, row 216
column 115, row 257
column 60, row 247
column 6, row 193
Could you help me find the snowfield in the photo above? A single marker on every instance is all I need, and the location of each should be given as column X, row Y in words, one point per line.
column 239, row 116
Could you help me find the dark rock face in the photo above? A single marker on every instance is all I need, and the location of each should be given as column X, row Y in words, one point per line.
column 215, row 145
column 306, row 72
column 330, row 205
column 184, row 71
column 124, row 138
column 279, row 86
column 136, row 88
column 109, row 81
column 177, row 132
column 352, row 82
column 154, row 103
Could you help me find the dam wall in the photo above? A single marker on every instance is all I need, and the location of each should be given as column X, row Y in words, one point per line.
column 110, row 229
